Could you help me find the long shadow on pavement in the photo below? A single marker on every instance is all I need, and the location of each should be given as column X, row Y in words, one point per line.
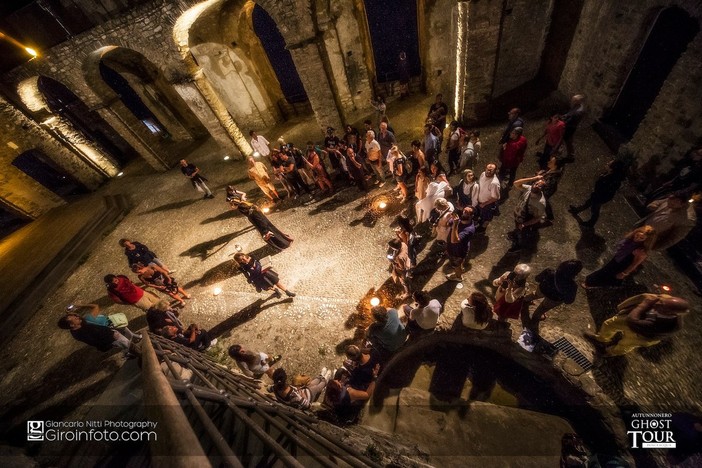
column 172, row 206
column 227, row 269
column 223, row 329
column 204, row 250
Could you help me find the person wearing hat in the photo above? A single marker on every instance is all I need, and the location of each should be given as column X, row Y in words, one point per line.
column 458, row 243
column 476, row 311
column 641, row 321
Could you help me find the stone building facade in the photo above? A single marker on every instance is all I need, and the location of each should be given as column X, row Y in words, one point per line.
column 201, row 70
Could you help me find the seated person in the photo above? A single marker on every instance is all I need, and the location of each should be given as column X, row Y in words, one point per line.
column 423, row 315
column 345, row 400
column 387, row 334
column 476, row 311
column 192, row 337
column 360, row 363
column 300, row 397
column 162, row 314
column 101, row 337
column 253, row 364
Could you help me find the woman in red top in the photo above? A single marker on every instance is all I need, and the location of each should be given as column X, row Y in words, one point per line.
column 554, row 131
column 512, row 156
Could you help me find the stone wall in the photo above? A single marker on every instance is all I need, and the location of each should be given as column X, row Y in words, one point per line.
column 439, row 54
column 606, row 45
column 524, row 32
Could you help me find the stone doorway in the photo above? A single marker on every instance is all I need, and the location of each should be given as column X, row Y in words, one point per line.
column 672, row 31
column 41, row 168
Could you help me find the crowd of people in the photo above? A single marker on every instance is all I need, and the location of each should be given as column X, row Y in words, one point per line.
column 454, row 207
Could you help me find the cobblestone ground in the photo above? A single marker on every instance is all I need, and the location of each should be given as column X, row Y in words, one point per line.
column 337, row 259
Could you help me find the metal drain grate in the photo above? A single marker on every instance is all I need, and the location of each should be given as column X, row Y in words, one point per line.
column 567, row 348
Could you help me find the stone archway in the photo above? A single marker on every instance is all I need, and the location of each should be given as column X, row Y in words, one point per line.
column 46, row 172
column 134, row 90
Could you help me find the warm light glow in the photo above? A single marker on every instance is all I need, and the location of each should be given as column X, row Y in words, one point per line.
column 31, row 52
column 666, row 288
column 120, row 174
column 266, row 210
column 374, row 301
column 217, row 291
column 50, row 120
column 238, row 248
column 256, row 154
column 691, row 200
column 382, row 205
column 461, row 59
column 226, row 158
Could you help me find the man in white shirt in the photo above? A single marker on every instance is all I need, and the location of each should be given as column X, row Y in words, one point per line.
column 422, row 316
column 488, row 195
column 259, row 144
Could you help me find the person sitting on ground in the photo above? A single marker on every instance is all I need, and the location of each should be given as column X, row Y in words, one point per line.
column 122, row 291
column 192, row 337
column 641, row 321
column 422, row 316
column 253, row 364
column 137, row 252
column 346, row 400
column 387, row 334
column 300, row 397
column 476, row 311
column 156, row 277
column 161, row 315
column 360, row 363
column 262, row 279
column 101, row 337
column 512, row 286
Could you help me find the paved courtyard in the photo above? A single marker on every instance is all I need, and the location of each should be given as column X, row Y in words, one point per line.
column 334, row 265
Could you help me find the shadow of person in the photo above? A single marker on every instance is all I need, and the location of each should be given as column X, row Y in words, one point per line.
column 215, row 274
column 609, row 374
column 172, row 206
column 590, row 248
column 223, row 216
column 202, row 250
column 223, row 329
column 443, row 291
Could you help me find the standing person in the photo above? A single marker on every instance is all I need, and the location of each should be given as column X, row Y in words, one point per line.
column 401, row 264
column 441, row 220
column 468, row 157
column 514, row 120
column 405, row 232
column 530, row 211
column 259, row 174
column 253, row 363
column 192, row 172
column 101, row 337
column 630, row 253
column 137, row 252
column 314, row 162
column 435, row 190
column 352, row 137
column 432, row 144
column 374, row 157
column 403, row 72
column 556, row 287
column 259, row 144
column 292, row 175
column 488, row 195
column 572, row 119
column 422, row 316
column 606, row 187
column 279, row 173
column 437, row 113
column 467, row 191
column 356, row 169
column 386, row 139
column 476, row 311
column 554, row 131
column 453, row 148
column 300, row 397
column 458, row 245
column 551, row 176
column 399, row 171
column 380, row 108
column 641, row 321
column 672, row 218
column 386, row 334
column 154, row 276
column 421, row 183
column 122, row 291
column 262, row 279
column 512, row 287
column 418, row 155
column 513, row 151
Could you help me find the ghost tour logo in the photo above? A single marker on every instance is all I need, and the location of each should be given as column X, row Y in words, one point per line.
column 651, row 430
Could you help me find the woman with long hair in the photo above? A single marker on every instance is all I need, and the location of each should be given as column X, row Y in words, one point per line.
column 467, row 190
column 156, row 277
column 398, row 169
column 263, row 279
column 476, row 311
column 630, row 253
column 270, row 234
column 300, row 397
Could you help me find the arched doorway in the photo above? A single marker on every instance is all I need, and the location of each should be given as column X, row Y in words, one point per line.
column 10, row 221
column 41, row 168
column 389, row 42
column 62, row 101
column 672, row 31
column 285, row 70
column 135, row 91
